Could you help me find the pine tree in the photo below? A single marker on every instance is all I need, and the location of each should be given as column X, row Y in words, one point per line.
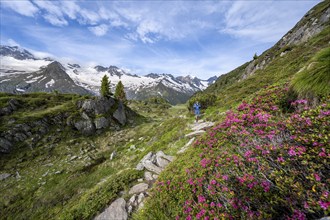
column 120, row 93
column 105, row 87
column 255, row 56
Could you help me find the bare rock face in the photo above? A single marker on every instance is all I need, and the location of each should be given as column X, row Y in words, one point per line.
column 97, row 106
column 85, row 126
column 115, row 211
column 139, row 188
column 120, row 114
column 101, row 122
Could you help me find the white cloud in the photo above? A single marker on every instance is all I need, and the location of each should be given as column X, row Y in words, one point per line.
column 53, row 13
column 41, row 54
column 54, row 20
column 100, row 30
column 12, row 43
column 265, row 22
column 70, row 8
column 23, row 7
column 88, row 17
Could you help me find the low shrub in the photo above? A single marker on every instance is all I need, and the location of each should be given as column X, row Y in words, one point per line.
column 257, row 164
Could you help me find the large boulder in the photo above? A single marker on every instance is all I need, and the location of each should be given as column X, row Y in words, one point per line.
column 116, row 211
column 120, row 114
column 5, row 145
column 97, row 106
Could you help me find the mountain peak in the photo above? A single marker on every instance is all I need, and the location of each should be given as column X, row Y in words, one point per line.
column 16, row 52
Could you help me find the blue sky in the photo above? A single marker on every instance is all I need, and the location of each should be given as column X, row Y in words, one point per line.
column 200, row 38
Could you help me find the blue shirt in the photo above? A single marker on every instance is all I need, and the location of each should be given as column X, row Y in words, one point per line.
column 197, row 107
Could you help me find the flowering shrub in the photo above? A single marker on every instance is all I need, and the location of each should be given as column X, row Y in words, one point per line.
column 258, row 164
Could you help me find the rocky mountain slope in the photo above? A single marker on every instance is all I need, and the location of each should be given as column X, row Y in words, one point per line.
column 50, row 78
column 282, row 60
column 20, row 71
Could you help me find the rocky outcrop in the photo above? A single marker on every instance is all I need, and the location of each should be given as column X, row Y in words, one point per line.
column 100, row 113
column 33, row 131
column 311, row 24
column 12, row 105
column 120, row 114
column 116, row 211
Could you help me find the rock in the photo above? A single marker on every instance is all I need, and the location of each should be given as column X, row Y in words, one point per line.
column 185, row 147
column 73, row 158
column 161, row 162
column 101, row 122
column 167, row 157
column 85, row 126
column 129, row 209
column 132, row 201
column 140, row 165
column 325, row 218
column 113, row 154
column 132, row 147
column 85, row 116
column 202, row 126
column 195, row 133
column 4, row 176
column 97, row 106
column 140, row 198
column 140, row 180
column 155, row 176
column 120, row 114
column 5, row 145
column 141, row 187
column 58, row 172
column 148, row 176
column 152, row 167
column 116, row 211
column 17, row 175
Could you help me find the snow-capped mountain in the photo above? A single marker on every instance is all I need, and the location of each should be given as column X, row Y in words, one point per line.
column 20, row 71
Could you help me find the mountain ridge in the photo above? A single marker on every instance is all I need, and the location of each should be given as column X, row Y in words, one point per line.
column 17, row 61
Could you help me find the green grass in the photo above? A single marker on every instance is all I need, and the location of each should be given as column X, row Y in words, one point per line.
column 314, row 79
column 279, row 70
column 84, row 186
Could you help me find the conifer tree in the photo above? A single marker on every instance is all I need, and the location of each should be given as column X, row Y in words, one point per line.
column 105, row 87
column 120, row 93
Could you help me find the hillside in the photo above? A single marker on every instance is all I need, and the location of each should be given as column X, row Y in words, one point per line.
column 280, row 63
column 261, row 150
column 268, row 156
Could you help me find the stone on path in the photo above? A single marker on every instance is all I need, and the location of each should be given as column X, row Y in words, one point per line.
column 152, row 167
column 195, row 133
column 185, row 147
column 202, row 126
column 140, row 165
column 148, row 176
column 116, row 211
column 139, row 188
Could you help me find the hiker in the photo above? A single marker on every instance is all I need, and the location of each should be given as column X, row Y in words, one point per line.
column 197, row 110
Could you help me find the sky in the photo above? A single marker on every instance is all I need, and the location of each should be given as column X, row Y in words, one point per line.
column 199, row 38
